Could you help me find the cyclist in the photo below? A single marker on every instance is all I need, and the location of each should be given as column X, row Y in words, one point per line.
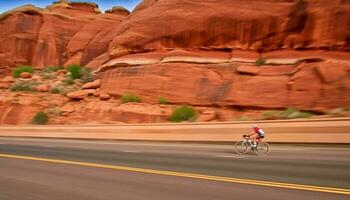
column 256, row 134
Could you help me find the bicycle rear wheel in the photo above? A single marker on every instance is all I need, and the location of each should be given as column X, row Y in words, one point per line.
column 241, row 147
column 262, row 148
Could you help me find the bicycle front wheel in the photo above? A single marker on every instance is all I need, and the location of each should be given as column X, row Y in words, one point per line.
column 262, row 149
column 241, row 147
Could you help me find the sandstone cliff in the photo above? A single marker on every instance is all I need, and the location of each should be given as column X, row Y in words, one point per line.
column 235, row 24
column 61, row 33
column 203, row 53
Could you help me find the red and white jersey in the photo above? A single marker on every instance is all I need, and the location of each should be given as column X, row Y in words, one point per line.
column 259, row 131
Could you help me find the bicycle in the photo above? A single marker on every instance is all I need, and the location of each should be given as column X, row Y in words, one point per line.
column 242, row 147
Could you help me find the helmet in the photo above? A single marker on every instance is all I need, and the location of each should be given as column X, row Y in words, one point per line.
column 255, row 126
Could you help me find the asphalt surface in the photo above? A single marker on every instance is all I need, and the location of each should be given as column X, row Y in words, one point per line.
column 326, row 166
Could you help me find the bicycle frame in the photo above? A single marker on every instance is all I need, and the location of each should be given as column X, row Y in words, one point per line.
column 250, row 145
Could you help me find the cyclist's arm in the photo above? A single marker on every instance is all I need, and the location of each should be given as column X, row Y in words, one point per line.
column 252, row 133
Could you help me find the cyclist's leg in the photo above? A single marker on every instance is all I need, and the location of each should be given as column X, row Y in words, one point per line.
column 254, row 138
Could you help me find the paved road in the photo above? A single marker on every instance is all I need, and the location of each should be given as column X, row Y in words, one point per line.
column 28, row 179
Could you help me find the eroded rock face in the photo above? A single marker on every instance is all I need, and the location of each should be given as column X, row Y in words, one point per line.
column 236, row 24
column 303, row 87
column 20, row 30
column 63, row 33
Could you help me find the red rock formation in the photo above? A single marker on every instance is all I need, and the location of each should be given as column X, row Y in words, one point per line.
column 206, row 78
column 118, row 10
column 93, row 39
column 20, row 29
column 306, row 86
column 242, row 24
column 72, row 33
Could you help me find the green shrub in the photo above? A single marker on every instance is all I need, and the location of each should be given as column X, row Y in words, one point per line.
column 244, row 118
column 288, row 113
column 22, row 86
column 346, row 109
column 260, row 61
column 130, row 98
column 183, row 113
column 301, row 114
column 75, row 71
column 17, row 71
column 292, row 113
column 55, row 90
column 48, row 76
column 162, row 100
column 271, row 115
column 40, row 118
column 52, row 69
column 68, row 81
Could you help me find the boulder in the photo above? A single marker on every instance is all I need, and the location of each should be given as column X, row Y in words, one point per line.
column 96, row 93
column 5, row 85
column 7, row 79
column 105, row 96
column 92, row 85
column 81, row 94
column 68, row 109
column 118, row 10
column 207, row 116
column 78, row 82
column 25, row 75
column 61, row 72
column 42, row 88
column 90, row 91
column 36, row 77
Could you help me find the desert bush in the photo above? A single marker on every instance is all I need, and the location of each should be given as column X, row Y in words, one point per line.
column 271, row 115
column 130, row 98
column 86, row 75
column 292, row 113
column 52, row 69
column 54, row 111
column 183, row 113
column 346, row 109
column 63, row 89
column 301, row 114
column 55, row 90
column 288, row 113
column 68, row 81
column 75, row 71
column 23, row 86
column 339, row 111
column 17, row 71
column 48, row 76
column 244, row 118
column 260, row 61
column 40, row 118
column 162, row 100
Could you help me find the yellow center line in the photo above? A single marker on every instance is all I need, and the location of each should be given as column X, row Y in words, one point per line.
column 188, row 175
